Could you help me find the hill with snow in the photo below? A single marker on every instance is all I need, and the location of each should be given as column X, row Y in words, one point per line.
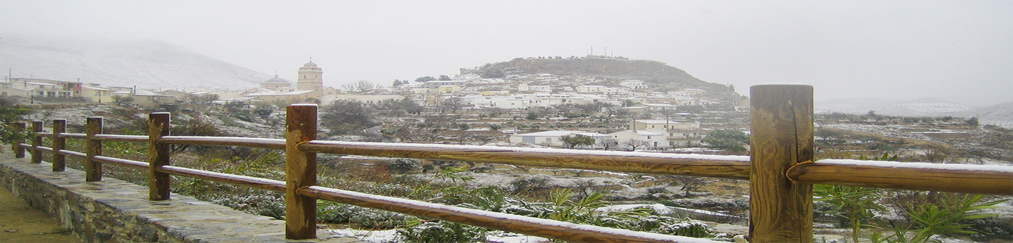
column 660, row 76
column 146, row 64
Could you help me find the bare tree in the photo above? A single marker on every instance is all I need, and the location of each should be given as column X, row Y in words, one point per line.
column 690, row 183
column 361, row 86
column 607, row 143
column 451, row 104
column 635, row 143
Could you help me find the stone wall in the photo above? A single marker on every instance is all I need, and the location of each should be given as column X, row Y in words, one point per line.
column 117, row 211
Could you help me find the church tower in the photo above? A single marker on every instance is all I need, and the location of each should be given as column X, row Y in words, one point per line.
column 311, row 77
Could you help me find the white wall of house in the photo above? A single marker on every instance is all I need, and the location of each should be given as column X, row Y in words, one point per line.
column 550, row 138
column 648, row 138
column 503, row 102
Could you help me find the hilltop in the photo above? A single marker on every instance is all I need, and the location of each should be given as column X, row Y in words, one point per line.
column 145, row 63
column 660, row 76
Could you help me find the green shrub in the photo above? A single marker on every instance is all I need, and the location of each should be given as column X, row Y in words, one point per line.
column 442, row 231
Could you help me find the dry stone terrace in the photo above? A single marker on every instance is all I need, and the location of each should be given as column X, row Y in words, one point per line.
column 117, row 211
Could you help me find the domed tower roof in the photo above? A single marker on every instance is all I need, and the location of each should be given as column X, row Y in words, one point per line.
column 310, row 66
column 277, row 80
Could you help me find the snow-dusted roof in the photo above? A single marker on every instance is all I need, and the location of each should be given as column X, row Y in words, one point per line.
column 40, row 84
column 660, row 105
column 146, row 93
column 657, row 122
column 549, row 133
column 94, row 88
column 272, row 92
column 641, row 132
column 560, row 133
column 649, row 133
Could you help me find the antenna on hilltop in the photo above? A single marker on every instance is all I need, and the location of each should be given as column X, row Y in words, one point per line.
column 592, row 50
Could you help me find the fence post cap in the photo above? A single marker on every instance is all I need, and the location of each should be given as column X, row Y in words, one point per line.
column 302, row 105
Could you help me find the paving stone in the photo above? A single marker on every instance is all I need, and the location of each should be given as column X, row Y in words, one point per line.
column 116, row 211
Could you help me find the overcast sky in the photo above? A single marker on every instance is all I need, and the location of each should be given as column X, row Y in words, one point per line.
column 960, row 51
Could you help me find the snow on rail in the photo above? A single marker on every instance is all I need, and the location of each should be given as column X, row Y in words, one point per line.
column 916, row 165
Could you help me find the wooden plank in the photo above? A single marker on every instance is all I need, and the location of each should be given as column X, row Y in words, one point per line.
column 734, row 167
column 19, row 152
column 92, row 168
column 74, row 135
column 158, row 156
column 225, row 141
column 119, row 161
column 121, row 138
column 247, row 181
column 979, row 179
column 564, row 231
column 36, row 142
column 73, row 153
column 59, row 143
column 781, row 136
column 300, row 171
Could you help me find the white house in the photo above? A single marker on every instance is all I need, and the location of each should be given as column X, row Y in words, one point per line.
column 663, row 125
column 591, row 89
column 640, row 139
column 504, row 102
column 633, row 84
column 551, row 138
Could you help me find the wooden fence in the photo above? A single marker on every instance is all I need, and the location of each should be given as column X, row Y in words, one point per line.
column 781, row 170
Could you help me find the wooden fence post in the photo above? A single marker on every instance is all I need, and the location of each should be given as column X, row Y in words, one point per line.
column 300, row 171
column 19, row 152
column 59, row 160
column 36, row 142
column 158, row 156
column 781, row 136
column 92, row 168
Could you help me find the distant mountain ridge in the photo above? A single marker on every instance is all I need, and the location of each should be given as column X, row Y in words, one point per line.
column 145, row 64
column 999, row 114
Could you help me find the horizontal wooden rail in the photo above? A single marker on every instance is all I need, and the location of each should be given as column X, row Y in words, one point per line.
column 247, row 181
column 74, row 135
column 45, row 149
column 118, row 161
column 735, row 167
column 508, row 222
column 121, row 138
column 72, row 153
column 225, row 141
column 46, row 135
column 982, row 179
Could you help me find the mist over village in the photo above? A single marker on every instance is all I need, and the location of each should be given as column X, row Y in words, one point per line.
column 450, row 132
